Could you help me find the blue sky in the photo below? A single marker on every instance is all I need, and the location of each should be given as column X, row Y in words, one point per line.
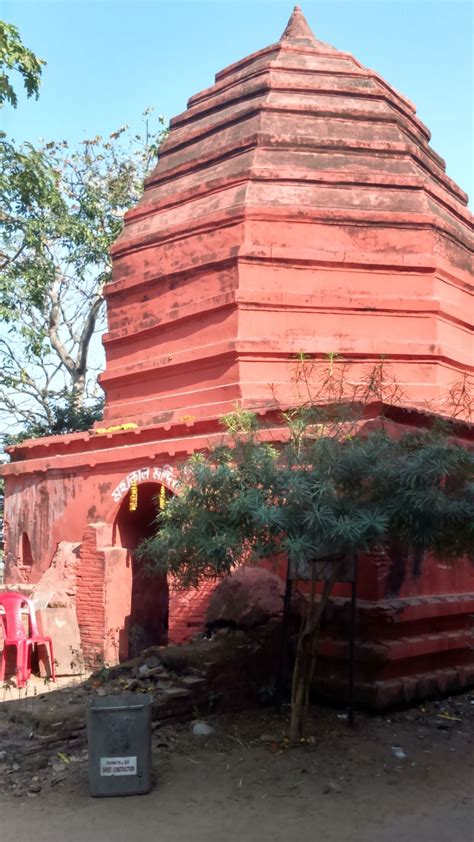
column 110, row 59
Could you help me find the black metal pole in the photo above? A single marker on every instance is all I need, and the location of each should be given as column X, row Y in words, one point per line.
column 284, row 639
column 353, row 622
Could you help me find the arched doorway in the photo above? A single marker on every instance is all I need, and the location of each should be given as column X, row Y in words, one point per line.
column 148, row 621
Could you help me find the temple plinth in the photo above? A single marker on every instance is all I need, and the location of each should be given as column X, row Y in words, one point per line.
column 297, row 206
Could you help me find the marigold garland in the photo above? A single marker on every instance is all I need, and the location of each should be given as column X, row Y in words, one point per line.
column 133, row 499
column 162, row 500
column 99, row 431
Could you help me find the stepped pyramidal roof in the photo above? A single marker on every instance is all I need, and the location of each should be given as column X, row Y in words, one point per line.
column 301, row 97
column 302, row 182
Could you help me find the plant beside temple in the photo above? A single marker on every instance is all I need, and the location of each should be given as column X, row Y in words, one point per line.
column 328, row 492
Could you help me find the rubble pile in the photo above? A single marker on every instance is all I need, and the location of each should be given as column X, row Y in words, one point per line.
column 43, row 737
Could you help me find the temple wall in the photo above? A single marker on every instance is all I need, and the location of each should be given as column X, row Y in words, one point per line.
column 44, row 508
column 57, row 506
column 415, row 632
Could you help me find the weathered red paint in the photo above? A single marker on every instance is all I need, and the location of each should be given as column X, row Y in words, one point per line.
column 297, row 206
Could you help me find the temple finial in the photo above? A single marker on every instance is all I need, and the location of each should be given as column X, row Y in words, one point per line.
column 298, row 29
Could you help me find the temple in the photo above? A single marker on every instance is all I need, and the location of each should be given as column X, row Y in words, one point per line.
column 297, row 206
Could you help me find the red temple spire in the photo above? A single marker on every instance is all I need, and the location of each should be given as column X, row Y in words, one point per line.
column 298, row 29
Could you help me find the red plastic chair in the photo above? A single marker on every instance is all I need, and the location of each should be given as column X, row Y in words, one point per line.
column 15, row 635
column 37, row 639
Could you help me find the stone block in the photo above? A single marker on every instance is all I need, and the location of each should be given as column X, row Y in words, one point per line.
column 60, row 624
column 249, row 597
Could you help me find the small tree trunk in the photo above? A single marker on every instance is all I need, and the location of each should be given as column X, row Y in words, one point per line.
column 279, row 682
column 78, row 390
column 305, row 660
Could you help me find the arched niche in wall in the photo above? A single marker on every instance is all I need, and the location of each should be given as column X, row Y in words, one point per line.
column 26, row 556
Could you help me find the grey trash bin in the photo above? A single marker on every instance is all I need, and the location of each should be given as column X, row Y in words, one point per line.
column 119, row 744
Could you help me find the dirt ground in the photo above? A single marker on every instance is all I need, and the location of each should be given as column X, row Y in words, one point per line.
column 403, row 777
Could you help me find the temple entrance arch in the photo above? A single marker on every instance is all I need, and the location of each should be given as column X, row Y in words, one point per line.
column 149, row 602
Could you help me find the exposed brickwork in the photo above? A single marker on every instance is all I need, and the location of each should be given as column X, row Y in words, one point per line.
column 406, row 649
column 91, row 596
column 15, row 570
column 187, row 610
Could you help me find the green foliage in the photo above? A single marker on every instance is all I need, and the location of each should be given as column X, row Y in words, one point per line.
column 240, row 422
column 14, row 56
column 66, row 418
column 207, row 527
column 425, row 482
column 61, row 208
column 328, row 496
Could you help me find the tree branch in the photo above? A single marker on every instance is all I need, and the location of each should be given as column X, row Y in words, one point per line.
column 54, row 321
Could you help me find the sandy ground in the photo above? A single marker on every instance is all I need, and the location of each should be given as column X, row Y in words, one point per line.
column 340, row 785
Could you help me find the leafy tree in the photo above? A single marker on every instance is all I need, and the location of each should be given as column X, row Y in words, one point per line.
column 319, row 498
column 60, row 211
column 66, row 418
column 14, row 56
